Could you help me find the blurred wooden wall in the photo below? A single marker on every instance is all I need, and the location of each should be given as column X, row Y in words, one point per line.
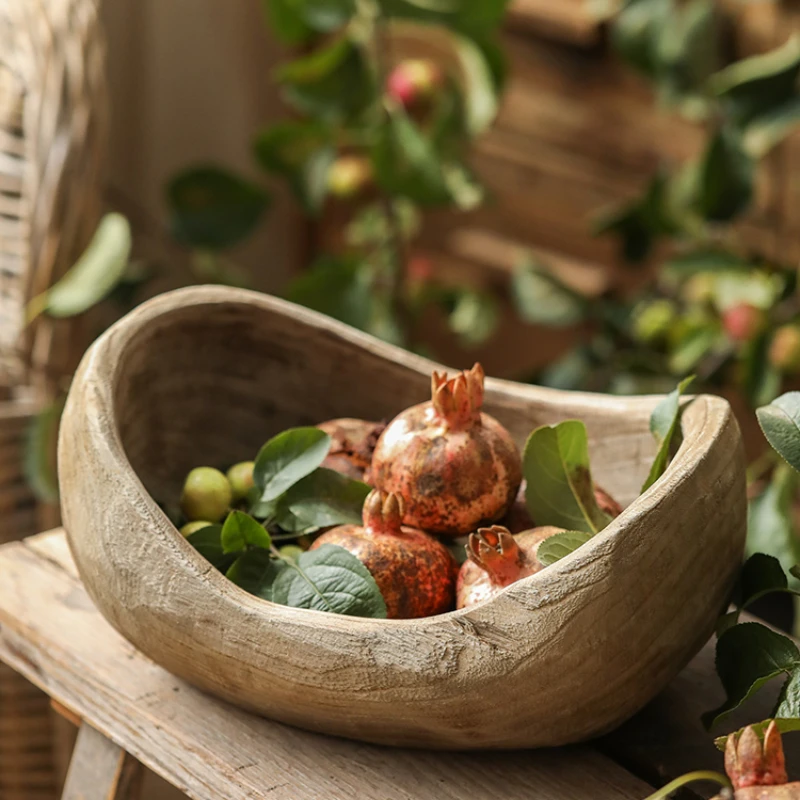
column 190, row 82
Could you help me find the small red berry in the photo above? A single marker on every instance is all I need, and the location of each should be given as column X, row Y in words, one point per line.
column 413, row 81
column 348, row 176
column 743, row 322
column 419, row 269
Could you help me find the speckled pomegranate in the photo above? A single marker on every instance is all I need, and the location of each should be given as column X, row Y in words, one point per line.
column 518, row 518
column 758, row 770
column 353, row 443
column 454, row 466
column 496, row 560
column 415, row 573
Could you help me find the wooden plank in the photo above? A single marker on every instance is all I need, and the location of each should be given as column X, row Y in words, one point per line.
column 565, row 20
column 50, row 631
column 101, row 770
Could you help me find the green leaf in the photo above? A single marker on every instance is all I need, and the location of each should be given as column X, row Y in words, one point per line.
column 328, row 15
column 240, row 531
column 555, row 547
column 783, row 725
column 475, row 317
column 465, row 190
column 759, row 84
column 473, row 19
column 663, row 424
column 639, row 223
column 337, row 286
column 687, row 52
column 333, row 84
column 559, row 482
column 330, row 579
column 256, row 571
column 692, row 349
column 93, row 276
column 285, row 17
column 635, row 32
column 759, row 378
column 769, row 521
column 326, row 497
column 771, row 127
column 788, row 706
column 208, row 542
column 704, row 260
column 288, row 457
column 212, row 208
column 780, row 422
column 541, row 299
column 761, row 575
column 406, row 163
column 39, row 460
column 302, row 152
column 725, row 178
column 748, row 656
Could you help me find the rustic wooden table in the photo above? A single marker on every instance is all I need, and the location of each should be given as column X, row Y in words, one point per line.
column 132, row 712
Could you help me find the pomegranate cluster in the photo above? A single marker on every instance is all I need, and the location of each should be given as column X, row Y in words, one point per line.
column 446, row 487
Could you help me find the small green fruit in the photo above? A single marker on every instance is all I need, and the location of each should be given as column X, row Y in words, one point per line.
column 240, row 477
column 784, row 351
column 700, row 288
column 652, row 320
column 348, row 176
column 206, row 494
column 192, row 527
column 291, row 551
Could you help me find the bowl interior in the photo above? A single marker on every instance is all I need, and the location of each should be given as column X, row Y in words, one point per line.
column 208, row 384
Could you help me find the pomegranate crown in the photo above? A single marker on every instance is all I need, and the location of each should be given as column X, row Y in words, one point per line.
column 383, row 511
column 496, row 551
column 749, row 762
column 459, row 400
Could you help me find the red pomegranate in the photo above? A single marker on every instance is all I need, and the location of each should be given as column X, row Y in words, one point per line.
column 415, row 573
column 352, row 445
column 496, row 560
column 758, row 770
column 518, row 518
column 454, row 466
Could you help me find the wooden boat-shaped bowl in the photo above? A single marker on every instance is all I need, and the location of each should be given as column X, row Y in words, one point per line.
column 206, row 375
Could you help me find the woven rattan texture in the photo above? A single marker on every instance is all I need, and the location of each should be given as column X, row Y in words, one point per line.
column 53, row 123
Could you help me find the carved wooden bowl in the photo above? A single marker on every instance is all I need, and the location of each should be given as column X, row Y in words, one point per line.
column 206, row 375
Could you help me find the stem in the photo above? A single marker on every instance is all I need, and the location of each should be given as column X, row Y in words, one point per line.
column 381, row 57
column 702, row 775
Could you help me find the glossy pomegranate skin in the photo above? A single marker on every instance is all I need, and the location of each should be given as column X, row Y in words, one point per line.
column 353, row 443
column 415, row 573
column 518, row 518
column 454, row 466
column 495, row 562
column 606, row 502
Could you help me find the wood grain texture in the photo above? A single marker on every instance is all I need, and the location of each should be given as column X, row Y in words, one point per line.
column 101, row 770
column 51, row 632
column 205, row 375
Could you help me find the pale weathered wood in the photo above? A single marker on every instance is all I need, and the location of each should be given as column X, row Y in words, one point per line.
column 205, row 375
column 51, row 632
column 101, row 770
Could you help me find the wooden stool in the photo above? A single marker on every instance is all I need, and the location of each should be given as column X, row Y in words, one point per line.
column 133, row 713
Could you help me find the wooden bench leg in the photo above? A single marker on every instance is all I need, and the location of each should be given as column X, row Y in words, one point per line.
column 100, row 770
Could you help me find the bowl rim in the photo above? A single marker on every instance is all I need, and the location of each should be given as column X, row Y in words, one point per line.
column 110, row 349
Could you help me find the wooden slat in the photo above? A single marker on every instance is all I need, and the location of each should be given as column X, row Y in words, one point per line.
column 50, row 631
column 565, row 20
column 101, row 770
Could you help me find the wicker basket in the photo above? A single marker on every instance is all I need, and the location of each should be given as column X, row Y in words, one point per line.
column 53, row 125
